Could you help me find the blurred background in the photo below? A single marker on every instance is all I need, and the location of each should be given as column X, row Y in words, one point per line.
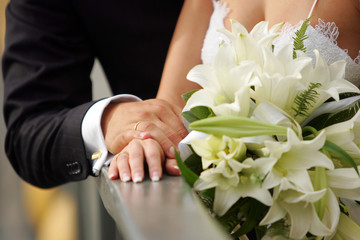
column 73, row 211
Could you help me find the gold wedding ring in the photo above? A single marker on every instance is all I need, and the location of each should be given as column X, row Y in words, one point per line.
column 136, row 125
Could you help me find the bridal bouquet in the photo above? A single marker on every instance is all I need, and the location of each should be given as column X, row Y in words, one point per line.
column 274, row 147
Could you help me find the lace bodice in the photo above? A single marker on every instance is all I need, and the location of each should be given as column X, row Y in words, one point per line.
column 323, row 37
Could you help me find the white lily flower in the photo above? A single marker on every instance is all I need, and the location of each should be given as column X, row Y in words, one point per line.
column 279, row 77
column 224, row 175
column 342, row 134
column 256, row 143
column 247, row 46
column 278, row 74
column 299, row 208
column 231, row 186
column 266, row 112
column 226, row 87
column 329, row 79
column 224, row 154
column 213, row 150
column 356, row 127
column 294, row 157
column 347, row 136
column 248, row 79
column 185, row 150
column 345, row 182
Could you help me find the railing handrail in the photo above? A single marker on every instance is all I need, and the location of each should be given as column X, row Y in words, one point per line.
column 168, row 209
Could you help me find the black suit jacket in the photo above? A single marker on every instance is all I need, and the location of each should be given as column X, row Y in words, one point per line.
column 50, row 48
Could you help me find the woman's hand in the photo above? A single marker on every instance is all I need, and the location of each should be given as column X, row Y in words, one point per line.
column 129, row 163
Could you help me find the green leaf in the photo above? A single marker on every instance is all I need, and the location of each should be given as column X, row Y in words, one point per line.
column 189, row 116
column 207, row 197
column 340, row 153
column 236, row 126
column 187, row 95
column 344, row 115
column 194, row 163
column 255, row 211
column 319, row 122
column 202, row 112
column 328, row 119
column 347, row 95
column 233, row 216
column 189, row 176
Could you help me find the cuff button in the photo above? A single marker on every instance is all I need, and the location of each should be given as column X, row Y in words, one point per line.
column 73, row 168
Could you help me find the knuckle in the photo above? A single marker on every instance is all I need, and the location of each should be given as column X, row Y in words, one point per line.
column 165, row 143
column 160, row 108
column 135, row 156
column 123, row 156
column 174, row 137
column 134, row 142
column 144, row 115
column 146, row 126
column 182, row 132
column 153, row 155
column 137, row 168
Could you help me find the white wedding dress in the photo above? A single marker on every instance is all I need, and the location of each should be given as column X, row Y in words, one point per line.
column 322, row 37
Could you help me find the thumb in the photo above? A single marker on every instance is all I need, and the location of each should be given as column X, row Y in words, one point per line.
column 172, row 167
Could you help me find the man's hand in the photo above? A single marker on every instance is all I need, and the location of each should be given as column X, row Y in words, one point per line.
column 155, row 118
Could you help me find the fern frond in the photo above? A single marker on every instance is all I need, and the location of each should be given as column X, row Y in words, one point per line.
column 305, row 99
column 300, row 37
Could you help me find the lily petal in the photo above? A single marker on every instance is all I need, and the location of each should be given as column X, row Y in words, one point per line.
column 345, row 178
column 275, row 213
column 224, row 200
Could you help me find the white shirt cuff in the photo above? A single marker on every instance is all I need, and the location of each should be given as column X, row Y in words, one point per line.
column 92, row 133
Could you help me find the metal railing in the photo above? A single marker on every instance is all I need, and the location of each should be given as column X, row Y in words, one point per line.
column 168, row 209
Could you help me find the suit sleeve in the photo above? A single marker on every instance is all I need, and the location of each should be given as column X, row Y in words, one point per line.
column 46, row 68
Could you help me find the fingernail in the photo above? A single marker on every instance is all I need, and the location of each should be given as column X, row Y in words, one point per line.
column 111, row 176
column 137, row 179
column 125, row 178
column 177, row 168
column 141, row 135
column 172, row 152
column 155, row 177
